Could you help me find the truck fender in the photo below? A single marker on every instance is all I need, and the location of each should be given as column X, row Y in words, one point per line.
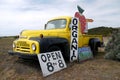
column 48, row 42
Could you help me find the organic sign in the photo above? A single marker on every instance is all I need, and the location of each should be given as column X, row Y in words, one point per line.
column 74, row 40
column 84, row 53
column 51, row 62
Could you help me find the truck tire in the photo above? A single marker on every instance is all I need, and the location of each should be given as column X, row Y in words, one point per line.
column 93, row 43
column 57, row 48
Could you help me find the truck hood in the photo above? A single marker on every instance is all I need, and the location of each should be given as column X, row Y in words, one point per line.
column 45, row 33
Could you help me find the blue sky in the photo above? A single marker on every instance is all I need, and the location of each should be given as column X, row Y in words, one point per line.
column 17, row 15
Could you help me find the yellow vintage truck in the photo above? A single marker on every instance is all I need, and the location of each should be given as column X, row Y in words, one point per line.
column 56, row 36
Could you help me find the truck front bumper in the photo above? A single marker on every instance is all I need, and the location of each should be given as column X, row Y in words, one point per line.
column 23, row 55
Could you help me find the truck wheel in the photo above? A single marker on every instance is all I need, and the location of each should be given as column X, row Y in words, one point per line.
column 93, row 45
column 95, row 49
column 56, row 48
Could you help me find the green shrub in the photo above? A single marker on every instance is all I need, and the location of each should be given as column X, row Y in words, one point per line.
column 113, row 46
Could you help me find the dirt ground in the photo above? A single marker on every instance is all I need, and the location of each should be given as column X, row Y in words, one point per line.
column 13, row 68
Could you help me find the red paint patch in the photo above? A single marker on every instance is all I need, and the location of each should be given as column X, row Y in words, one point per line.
column 82, row 20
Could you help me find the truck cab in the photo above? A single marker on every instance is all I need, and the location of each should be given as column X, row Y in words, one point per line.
column 56, row 36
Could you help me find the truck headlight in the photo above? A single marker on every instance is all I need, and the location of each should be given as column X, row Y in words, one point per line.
column 33, row 47
column 14, row 45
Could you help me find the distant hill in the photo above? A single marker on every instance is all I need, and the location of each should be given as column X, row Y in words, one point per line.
column 105, row 31
column 8, row 37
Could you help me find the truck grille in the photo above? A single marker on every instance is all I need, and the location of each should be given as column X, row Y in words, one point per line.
column 23, row 46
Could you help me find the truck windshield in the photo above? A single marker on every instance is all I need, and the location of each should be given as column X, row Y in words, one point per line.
column 56, row 24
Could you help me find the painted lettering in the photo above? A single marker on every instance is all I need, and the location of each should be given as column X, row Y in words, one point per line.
column 74, row 34
column 74, row 27
column 75, row 21
column 74, row 47
column 43, row 58
column 53, row 56
column 74, row 40
column 48, row 57
column 73, row 55
column 58, row 55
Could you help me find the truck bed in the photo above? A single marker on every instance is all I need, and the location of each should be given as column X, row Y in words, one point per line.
column 86, row 38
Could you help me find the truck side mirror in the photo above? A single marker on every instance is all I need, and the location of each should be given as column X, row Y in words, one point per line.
column 70, row 26
column 45, row 26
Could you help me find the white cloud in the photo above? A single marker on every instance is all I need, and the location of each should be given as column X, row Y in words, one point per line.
column 104, row 13
column 16, row 15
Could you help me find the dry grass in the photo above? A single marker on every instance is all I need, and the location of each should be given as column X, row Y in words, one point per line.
column 12, row 68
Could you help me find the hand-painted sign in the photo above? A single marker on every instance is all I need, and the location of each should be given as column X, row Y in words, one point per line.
column 51, row 62
column 74, row 40
column 84, row 53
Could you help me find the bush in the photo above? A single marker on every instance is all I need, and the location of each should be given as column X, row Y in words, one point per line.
column 113, row 46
